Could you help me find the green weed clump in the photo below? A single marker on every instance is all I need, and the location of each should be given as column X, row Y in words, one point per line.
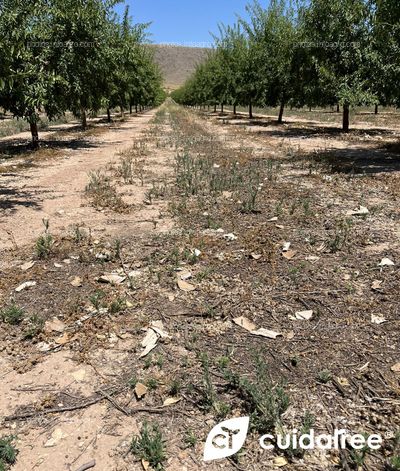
column 12, row 314
column 149, row 446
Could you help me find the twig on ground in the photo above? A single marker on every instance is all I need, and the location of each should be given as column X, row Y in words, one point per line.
column 86, row 466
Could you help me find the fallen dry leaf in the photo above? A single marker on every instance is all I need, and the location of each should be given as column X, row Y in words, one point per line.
column 377, row 319
column 56, row 436
column 290, row 335
column 270, row 334
column 185, row 275
column 343, row 381
column 112, row 278
column 149, row 342
column 154, row 332
column 396, row 368
column 140, row 390
column 386, row 262
column 376, row 284
column 280, row 461
column 171, row 401
column 230, row 237
column 26, row 266
column 185, row 286
column 302, row 316
column 361, row 211
column 255, row 256
column 77, row 282
column 27, row 284
column 146, row 465
column 54, row 325
column 245, row 323
column 289, row 254
column 286, row 246
column 63, row 339
column 79, row 375
column 312, row 258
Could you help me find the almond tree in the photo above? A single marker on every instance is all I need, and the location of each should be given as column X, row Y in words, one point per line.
column 339, row 43
column 79, row 31
column 27, row 83
column 386, row 41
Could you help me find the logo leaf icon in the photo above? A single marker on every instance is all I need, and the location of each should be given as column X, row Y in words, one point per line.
column 226, row 438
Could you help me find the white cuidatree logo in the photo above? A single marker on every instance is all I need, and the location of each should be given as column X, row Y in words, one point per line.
column 226, row 438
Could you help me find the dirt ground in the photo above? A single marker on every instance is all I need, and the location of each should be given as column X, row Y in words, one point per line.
column 213, row 227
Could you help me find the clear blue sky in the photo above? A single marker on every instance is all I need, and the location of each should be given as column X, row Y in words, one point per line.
column 184, row 21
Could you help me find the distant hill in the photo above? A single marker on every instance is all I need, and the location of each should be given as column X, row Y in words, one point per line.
column 177, row 63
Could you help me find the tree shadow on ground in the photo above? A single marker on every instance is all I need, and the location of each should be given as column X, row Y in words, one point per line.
column 12, row 198
column 304, row 129
column 355, row 160
column 11, row 148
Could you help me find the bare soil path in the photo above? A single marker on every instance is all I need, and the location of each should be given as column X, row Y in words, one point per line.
column 54, row 190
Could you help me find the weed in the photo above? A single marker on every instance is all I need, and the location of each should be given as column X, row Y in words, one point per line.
column 223, row 362
column 341, row 235
column 96, row 298
column 394, row 463
column 148, row 362
column 103, row 194
column 190, row 439
column 45, row 242
column 324, row 376
column 149, row 446
column 357, row 457
column 117, row 249
column 35, row 327
column 79, row 235
column 249, row 198
column 132, row 382
column 264, row 400
column 204, row 274
column 222, row 409
column 208, row 393
column 117, row 305
column 12, row 314
column 307, row 423
column 175, row 387
column 152, row 384
column 159, row 361
column 8, row 452
column 125, row 169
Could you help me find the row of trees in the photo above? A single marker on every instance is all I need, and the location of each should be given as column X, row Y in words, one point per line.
column 303, row 53
column 76, row 55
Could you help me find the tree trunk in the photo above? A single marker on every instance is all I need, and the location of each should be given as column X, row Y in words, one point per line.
column 281, row 109
column 35, row 135
column 122, row 112
column 84, row 119
column 130, row 108
column 108, row 115
column 310, row 109
column 338, row 108
column 215, row 108
column 251, row 110
column 222, row 107
column 136, row 108
column 234, row 110
column 346, row 117
column 376, row 109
